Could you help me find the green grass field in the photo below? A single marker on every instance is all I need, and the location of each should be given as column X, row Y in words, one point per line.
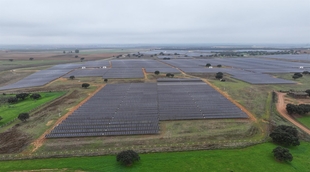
column 305, row 120
column 9, row 112
column 255, row 158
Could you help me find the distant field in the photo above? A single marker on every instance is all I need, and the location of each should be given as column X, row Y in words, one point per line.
column 8, row 113
column 255, row 158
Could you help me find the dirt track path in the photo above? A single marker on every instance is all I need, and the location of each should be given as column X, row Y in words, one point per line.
column 281, row 107
column 39, row 142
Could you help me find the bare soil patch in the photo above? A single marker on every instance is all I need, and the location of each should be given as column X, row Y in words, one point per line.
column 13, row 141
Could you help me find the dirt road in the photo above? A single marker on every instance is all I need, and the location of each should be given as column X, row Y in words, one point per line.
column 281, row 107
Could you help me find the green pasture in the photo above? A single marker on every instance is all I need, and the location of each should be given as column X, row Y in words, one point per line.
column 10, row 111
column 305, row 120
column 255, row 158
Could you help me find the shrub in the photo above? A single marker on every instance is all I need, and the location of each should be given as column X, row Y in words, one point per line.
column 85, row 85
column 127, row 157
column 285, row 135
column 282, row 154
column 23, row 116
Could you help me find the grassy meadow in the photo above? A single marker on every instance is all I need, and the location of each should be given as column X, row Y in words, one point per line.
column 11, row 111
column 256, row 158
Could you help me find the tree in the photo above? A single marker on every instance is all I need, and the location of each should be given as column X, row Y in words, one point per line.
column 282, row 154
column 30, row 58
column 23, row 116
column 85, row 85
column 72, row 77
column 219, row 65
column 170, row 75
column 105, row 80
column 12, row 100
column 22, row 96
column 308, row 91
column 35, row 96
column 77, row 51
column 157, row 72
column 285, row 135
column 64, row 52
column 10, row 60
column 82, row 59
column 76, row 56
column 219, row 75
column 127, row 157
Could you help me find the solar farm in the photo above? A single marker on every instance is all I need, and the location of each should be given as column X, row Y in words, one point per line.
column 251, row 70
column 137, row 108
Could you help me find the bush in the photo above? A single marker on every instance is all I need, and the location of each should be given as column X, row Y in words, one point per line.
column 170, row 75
column 35, row 96
column 208, row 65
column 22, row 96
column 157, row 72
column 72, row 77
column 282, row 154
column 127, row 157
column 12, row 100
column 105, row 80
column 85, row 85
column 219, row 75
column 285, row 135
column 219, row 65
column 23, row 116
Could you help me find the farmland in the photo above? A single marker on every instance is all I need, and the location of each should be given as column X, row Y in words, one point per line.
column 257, row 158
column 136, row 108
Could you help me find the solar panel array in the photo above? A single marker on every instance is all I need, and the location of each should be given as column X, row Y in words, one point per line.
column 299, row 57
column 121, row 109
column 136, row 108
column 251, row 70
column 39, row 78
column 192, row 99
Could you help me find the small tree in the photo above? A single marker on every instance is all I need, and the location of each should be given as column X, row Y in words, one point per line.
column 308, row 91
column 157, row 72
column 30, row 58
column 127, row 157
column 105, row 80
column 76, row 56
column 219, row 65
column 85, row 85
column 82, row 59
column 12, row 100
column 219, row 75
column 23, row 116
column 285, row 135
column 77, row 51
column 10, row 60
column 208, row 65
column 282, row 154
column 35, row 96
column 72, row 77
column 22, row 96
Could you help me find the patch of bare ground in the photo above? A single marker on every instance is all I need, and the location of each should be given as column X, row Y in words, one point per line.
column 9, row 77
column 13, row 141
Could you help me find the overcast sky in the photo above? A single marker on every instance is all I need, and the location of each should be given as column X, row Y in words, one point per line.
column 156, row 21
